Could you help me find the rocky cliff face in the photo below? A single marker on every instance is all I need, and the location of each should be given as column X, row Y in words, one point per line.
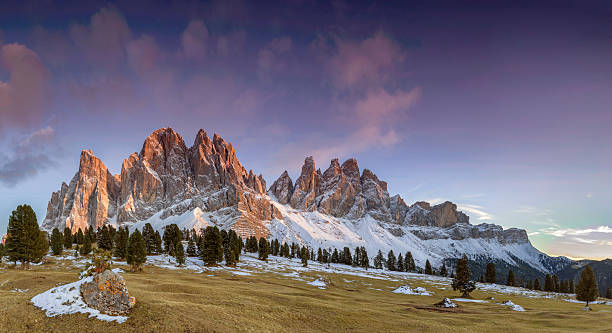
column 341, row 191
column 166, row 177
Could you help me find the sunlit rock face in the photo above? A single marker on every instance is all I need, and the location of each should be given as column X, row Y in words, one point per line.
column 165, row 177
column 89, row 200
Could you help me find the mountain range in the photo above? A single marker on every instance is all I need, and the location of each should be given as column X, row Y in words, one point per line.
column 205, row 184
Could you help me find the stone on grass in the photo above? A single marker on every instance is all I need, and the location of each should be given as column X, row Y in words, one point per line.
column 107, row 293
column 446, row 303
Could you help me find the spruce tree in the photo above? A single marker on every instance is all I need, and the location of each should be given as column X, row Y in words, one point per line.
column 572, row 288
column 409, row 262
column 335, row 258
column 191, row 248
column 25, row 241
column 67, row 238
column 400, row 263
column 462, row 281
column 103, row 238
column 443, row 271
column 347, row 259
column 158, row 242
column 510, row 280
column 179, row 253
column 555, row 283
column 536, row 284
column 136, row 251
column 490, row 274
column 120, row 243
column 304, row 256
column 172, row 236
column 365, row 261
column 235, row 245
column 319, row 255
column 57, row 242
column 548, row 283
column 264, row 249
column 586, row 289
column 148, row 234
column 86, row 248
column 378, row 260
column 428, row 270
column 212, row 246
column 609, row 293
column 2, row 251
column 80, row 237
column 391, row 261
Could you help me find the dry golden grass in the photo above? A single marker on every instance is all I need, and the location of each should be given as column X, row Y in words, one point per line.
column 182, row 301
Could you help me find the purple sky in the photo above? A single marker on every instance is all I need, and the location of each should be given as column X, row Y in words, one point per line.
column 503, row 108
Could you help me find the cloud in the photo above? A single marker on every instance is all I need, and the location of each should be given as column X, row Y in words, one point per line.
column 194, row 41
column 28, row 158
column 22, row 96
column 587, row 242
column 143, row 53
column 231, row 43
column 603, row 229
column 103, row 40
column 270, row 57
column 359, row 63
column 475, row 211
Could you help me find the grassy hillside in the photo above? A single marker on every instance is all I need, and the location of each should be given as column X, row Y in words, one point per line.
column 220, row 300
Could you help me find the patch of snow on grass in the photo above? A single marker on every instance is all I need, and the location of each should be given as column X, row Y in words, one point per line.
column 66, row 299
column 512, row 306
column 469, row 300
column 409, row 291
column 318, row 283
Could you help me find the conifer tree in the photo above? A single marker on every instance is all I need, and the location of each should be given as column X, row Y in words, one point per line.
column 86, row 248
column 136, row 251
column 378, row 260
column 325, row 256
column 586, row 289
column 391, row 261
column 120, row 243
column 555, row 283
column 57, row 242
column 103, row 238
column 179, row 253
column 365, row 261
column 80, row 236
column 409, row 262
column 609, row 293
column 229, row 253
column 319, row 255
column 2, row 251
column 510, row 280
column 462, row 281
column 148, row 234
column 304, row 256
column 530, row 284
column 443, row 271
column 67, row 238
column 158, row 242
column 25, row 241
column 264, row 249
column 347, row 259
column 428, row 270
column 335, row 258
column 548, row 284
column 490, row 274
column 211, row 248
column 172, row 236
column 191, row 248
column 536, row 284
column 572, row 288
column 400, row 263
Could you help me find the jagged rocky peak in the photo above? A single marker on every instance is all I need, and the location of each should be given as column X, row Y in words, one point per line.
column 282, row 188
column 89, row 199
column 441, row 215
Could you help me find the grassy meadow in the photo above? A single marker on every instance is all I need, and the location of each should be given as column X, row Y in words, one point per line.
column 220, row 301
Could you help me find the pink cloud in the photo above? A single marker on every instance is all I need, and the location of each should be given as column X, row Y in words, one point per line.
column 231, row 43
column 270, row 57
column 143, row 53
column 22, row 96
column 356, row 63
column 194, row 41
column 103, row 41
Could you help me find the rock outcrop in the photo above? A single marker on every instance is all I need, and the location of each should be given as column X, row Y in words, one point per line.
column 108, row 294
column 342, row 191
column 168, row 178
column 89, row 200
